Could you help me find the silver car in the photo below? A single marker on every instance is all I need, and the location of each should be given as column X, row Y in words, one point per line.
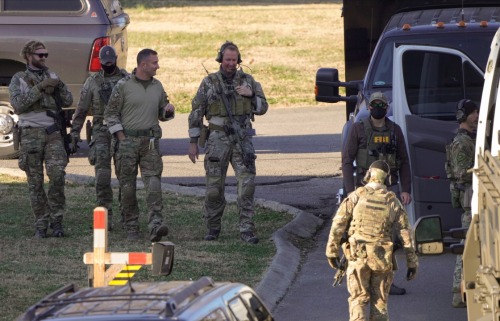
column 200, row 300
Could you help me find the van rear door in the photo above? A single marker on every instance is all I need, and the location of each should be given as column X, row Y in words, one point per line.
column 428, row 81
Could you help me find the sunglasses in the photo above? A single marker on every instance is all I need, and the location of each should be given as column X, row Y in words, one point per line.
column 41, row 55
column 378, row 105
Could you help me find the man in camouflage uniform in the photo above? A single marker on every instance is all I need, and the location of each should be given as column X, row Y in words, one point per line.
column 460, row 158
column 35, row 95
column 228, row 99
column 94, row 96
column 369, row 215
column 132, row 115
column 377, row 138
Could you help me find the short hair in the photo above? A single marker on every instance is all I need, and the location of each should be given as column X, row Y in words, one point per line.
column 30, row 48
column 143, row 54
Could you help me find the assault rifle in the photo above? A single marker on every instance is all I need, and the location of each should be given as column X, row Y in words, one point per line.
column 339, row 276
column 234, row 132
column 60, row 122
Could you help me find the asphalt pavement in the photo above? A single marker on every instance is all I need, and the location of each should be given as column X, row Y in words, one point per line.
column 298, row 171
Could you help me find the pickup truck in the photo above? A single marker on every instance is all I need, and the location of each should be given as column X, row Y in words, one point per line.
column 73, row 31
column 424, row 56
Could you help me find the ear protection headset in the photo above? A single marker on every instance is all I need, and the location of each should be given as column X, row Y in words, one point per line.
column 225, row 45
column 461, row 115
column 377, row 164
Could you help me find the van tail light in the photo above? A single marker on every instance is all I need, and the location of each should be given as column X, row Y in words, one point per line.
column 95, row 63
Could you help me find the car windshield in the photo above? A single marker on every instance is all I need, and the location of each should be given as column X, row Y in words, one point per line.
column 467, row 42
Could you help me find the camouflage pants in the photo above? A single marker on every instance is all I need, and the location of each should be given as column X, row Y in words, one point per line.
column 457, row 273
column 220, row 152
column 37, row 147
column 133, row 153
column 367, row 289
column 100, row 157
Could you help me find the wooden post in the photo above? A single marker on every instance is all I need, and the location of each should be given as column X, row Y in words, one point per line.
column 100, row 245
column 98, row 275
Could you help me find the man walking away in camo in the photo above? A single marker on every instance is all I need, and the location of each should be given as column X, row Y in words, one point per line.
column 459, row 159
column 369, row 215
column 93, row 97
column 132, row 115
column 377, row 138
column 35, row 95
column 228, row 99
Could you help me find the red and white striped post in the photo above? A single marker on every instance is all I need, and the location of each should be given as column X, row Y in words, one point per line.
column 100, row 245
column 100, row 257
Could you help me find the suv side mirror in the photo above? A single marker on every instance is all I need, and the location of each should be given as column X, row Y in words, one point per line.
column 327, row 86
column 163, row 258
column 428, row 236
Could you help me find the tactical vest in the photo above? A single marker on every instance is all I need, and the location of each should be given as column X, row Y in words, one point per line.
column 371, row 215
column 380, row 145
column 105, row 85
column 47, row 102
column 239, row 104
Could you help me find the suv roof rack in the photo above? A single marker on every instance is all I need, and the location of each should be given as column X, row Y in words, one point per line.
column 31, row 313
column 191, row 290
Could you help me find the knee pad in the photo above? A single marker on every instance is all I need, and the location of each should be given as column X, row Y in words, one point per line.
column 213, row 194
column 103, row 177
column 56, row 175
column 154, row 183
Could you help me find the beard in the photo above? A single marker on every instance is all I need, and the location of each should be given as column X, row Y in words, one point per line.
column 38, row 64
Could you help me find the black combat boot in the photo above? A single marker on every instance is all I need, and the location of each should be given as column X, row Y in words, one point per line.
column 57, row 229
column 158, row 232
column 249, row 237
column 41, row 233
column 133, row 235
column 212, row 235
column 110, row 221
column 396, row 290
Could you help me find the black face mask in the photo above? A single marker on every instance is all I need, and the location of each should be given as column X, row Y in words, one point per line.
column 378, row 113
column 108, row 69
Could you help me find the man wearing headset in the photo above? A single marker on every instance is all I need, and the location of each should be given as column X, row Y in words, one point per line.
column 228, row 99
column 460, row 158
column 368, row 216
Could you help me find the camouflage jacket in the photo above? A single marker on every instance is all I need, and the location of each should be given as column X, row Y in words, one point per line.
column 397, row 220
column 210, row 94
column 94, row 96
column 462, row 157
column 25, row 96
column 131, row 106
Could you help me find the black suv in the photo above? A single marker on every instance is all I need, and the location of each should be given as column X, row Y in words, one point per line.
column 74, row 32
column 201, row 300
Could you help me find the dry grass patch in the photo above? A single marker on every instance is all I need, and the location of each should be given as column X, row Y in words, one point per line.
column 282, row 45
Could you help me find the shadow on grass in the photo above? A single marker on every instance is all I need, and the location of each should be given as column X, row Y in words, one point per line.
column 200, row 3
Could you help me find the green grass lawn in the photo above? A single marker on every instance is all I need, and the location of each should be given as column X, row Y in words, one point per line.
column 32, row 268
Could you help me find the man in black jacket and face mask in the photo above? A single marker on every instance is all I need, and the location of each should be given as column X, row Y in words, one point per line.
column 94, row 96
column 377, row 138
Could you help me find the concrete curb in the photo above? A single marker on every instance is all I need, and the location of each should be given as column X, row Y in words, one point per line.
column 286, row 263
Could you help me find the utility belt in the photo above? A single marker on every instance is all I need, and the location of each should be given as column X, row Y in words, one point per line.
column 48, row 130
column 139, row 132
column 215, row 127
column 17, row 132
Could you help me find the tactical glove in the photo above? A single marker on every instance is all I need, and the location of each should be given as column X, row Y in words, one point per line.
column 334, row 262
column 411, row 273
column 49, row 90
column 48, row 82
column 75, row 139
